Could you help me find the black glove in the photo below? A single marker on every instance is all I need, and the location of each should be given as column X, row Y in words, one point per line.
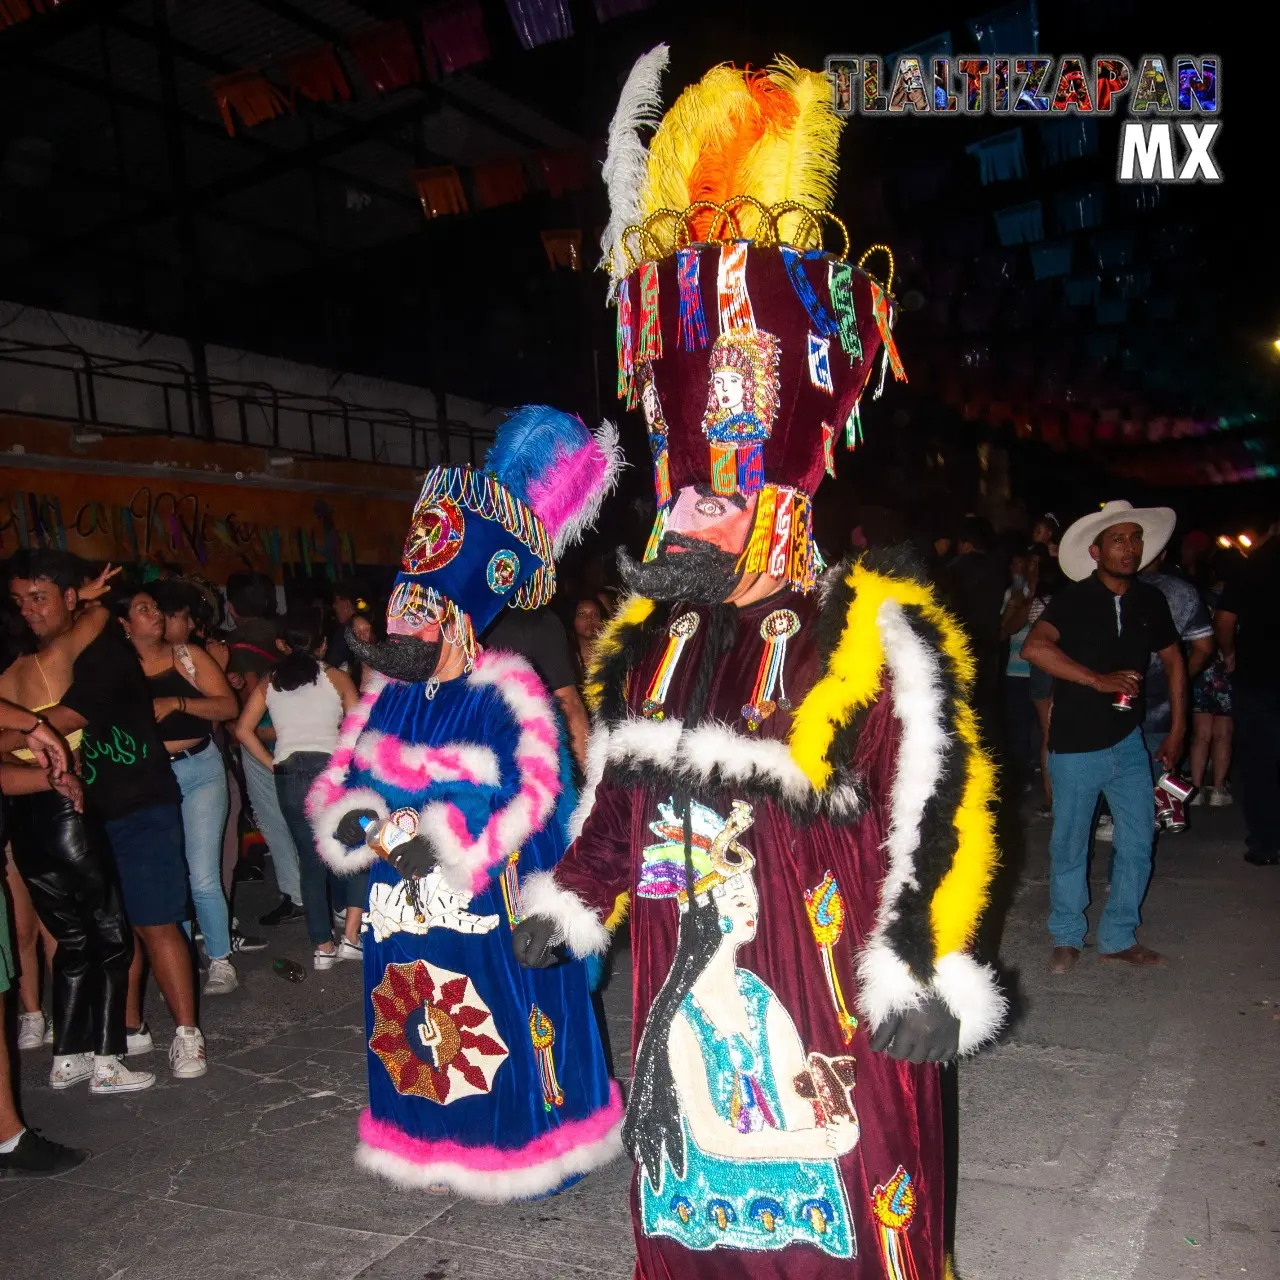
column 349, row 831
column 534, row 941
column 413, row 858
column 930, row 1033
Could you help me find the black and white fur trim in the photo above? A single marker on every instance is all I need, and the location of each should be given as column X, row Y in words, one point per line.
column 886, row 986
column 896, row 968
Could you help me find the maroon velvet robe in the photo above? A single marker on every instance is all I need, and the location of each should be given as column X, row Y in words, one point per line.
column 897, row 1104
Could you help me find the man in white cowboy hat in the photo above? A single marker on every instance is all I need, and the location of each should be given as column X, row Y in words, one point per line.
column 1094, row 639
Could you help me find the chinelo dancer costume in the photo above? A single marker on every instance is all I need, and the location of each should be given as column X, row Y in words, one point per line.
column 481, row 1081
column 786, row 776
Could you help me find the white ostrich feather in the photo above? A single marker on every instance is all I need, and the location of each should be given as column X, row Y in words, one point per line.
column 626, row 164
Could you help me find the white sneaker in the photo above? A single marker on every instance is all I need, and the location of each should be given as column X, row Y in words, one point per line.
column 138, row 1041
column 1219, row 798
column 31, row 1030
column 1106, row 828
column 70, row 1069
column 1199, row 798
column 110, row 1075
column 321, row 960
column 48, row 1033
column 186, row 1054
column 222, row 978
column 350, row 950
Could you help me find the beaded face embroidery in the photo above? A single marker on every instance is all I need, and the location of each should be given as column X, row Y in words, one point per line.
column 434, row 1034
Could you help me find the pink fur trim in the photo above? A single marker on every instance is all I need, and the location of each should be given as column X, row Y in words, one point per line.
column 467, row 863
column 415, row 768
column 552, row 1146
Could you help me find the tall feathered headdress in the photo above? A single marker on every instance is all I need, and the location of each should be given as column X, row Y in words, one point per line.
column 714, row 248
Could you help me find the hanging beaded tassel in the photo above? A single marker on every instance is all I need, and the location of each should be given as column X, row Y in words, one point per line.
column 825, row 908
column 775, row 630
column 853, row 426
column 691, row 332
column 543, row 1035
column 626, row 346
column 650, row 345
column 679, row 634
column 829, row 448
column 894, row 1205
column 511, row 891
column 840, row 287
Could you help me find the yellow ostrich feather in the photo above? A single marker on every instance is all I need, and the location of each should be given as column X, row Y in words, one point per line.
column 772, row 135
column 799, row 162
column 687, row 156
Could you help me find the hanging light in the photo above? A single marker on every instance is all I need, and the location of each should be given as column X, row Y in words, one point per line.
column 1224, row 542
column 1245, row 541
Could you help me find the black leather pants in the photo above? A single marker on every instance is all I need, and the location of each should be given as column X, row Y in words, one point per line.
column 68, row 870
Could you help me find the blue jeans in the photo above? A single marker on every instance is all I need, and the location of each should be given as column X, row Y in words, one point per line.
column 260, row 782
column 1123, row 774
column 203, row 779
column 294, row 777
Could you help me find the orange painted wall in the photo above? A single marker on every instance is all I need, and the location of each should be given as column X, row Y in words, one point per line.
column 160, row 512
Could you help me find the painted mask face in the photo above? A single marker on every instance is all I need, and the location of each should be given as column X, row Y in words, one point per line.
column 721, row 520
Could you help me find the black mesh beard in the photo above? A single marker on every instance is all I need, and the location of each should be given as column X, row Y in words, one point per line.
column 399, row 657
column 703, row 574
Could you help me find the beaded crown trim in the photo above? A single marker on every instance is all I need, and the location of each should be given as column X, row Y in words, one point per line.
column 479, row 492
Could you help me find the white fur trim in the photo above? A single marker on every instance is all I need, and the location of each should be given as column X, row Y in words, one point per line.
column 713, row 749
column 581, row 928
column 885, row 984
column 488, row 1186
column 343, row 860
column 917, row 705
column 971, row 993
column 640, row 741
column 597, row 757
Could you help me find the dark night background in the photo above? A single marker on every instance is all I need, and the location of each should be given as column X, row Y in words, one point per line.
column 143, row 212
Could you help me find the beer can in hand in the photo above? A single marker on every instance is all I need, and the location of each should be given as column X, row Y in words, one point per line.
column 1123, row 702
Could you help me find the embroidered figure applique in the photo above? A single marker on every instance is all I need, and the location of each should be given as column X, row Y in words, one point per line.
column 543, row 1035
column 417, row 906
column 777, row 628
column 742, row 404
column 894, row 1205
column 743, row 1157
column 502, row 571
column 681, row 631
column 434, row 1034
column 825, row 908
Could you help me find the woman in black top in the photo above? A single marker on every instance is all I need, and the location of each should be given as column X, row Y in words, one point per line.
column 189, row 695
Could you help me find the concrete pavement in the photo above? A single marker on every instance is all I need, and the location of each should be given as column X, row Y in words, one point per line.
column 1124, row 1129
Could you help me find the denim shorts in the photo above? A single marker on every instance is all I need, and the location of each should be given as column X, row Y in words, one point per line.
column 147, row 845
column 1041, row 685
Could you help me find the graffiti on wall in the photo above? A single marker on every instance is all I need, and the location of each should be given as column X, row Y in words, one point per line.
column 182, row 527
